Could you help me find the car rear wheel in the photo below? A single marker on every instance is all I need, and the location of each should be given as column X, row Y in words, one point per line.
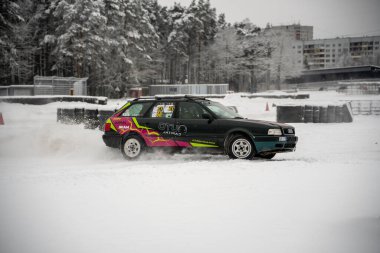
column 132, row 147
column 240, row 147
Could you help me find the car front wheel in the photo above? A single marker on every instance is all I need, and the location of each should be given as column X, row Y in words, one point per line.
column 132, row 147
column 240, row 147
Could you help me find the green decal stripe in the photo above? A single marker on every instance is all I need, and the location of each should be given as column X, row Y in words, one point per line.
column 122, row 108
column 201, row 145
column 112, row 126
column 138, row 125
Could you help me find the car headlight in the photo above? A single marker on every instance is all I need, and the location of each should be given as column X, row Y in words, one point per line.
column 276, row 131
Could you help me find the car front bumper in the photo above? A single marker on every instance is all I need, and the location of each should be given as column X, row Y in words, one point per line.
column 275, row 144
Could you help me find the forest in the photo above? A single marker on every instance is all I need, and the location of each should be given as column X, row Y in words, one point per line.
column 129, row 43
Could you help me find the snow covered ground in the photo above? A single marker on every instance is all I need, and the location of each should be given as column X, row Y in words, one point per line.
column 63, row 190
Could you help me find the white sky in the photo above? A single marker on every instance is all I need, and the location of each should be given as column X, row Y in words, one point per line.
column 330, row 18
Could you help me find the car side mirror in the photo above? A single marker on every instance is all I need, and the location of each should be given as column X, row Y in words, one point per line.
column 207, row 116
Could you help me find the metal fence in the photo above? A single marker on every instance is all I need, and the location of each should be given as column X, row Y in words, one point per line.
column 365, row 107
column 360, row 88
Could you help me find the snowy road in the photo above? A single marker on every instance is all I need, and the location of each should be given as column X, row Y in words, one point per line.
column 62, row 190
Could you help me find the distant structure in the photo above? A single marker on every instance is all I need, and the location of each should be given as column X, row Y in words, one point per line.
column 296, row 31
column 61, row 85
column 283, row 62
column 333, row 75
column 48, row 85
column 338, row 52
column 188, row 89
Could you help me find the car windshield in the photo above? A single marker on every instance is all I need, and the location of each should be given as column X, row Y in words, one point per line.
column 221, row 111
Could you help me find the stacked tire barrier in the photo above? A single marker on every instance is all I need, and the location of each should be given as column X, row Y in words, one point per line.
column 290, row 113
column 43, row 100
column 297, row 96
column 90, row 118
column 323, row 114
column 67, row 116
column 79, row 115
column 308, row 116
column 314, row 114
column 103, row 115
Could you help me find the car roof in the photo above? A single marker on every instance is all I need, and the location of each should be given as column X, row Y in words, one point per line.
column 171, row 98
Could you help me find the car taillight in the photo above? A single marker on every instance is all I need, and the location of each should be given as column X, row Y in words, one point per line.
column 107, row 127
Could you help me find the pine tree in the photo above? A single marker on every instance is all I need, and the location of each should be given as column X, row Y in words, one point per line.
column 81, row 44
column 10, row 18
column 177, row 42
column 255, row 53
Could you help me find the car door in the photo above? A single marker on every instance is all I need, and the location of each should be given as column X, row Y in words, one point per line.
column 192, row 127
column 159, row 122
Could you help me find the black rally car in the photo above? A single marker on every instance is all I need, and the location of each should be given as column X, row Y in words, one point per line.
column 194, row 122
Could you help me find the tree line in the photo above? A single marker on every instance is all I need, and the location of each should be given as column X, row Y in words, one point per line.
column 124, row 43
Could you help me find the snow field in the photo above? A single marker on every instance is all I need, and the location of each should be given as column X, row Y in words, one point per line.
column 62, row 190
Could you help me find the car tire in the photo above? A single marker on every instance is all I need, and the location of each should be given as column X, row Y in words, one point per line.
column 266, row 156
column 240, row 147
column 132, row 147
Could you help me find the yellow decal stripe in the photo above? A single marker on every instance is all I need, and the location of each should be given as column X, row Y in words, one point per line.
column 112, row 126
column 145, row 128
column 200, row 145
column 138, row 125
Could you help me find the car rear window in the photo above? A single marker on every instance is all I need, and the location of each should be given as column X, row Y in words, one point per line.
column 137, row 109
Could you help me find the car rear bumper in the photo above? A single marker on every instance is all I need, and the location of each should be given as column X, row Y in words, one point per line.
column 112, row 140
column 271, row 144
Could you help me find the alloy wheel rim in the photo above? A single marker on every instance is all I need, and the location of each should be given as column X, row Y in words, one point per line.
column 132, row 148
column 241, row 148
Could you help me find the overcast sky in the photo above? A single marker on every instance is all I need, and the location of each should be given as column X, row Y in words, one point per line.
column 330, row 18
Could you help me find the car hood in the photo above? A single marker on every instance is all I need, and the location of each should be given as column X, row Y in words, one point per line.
column 268, row 124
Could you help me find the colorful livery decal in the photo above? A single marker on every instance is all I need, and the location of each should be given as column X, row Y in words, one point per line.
column 152, row 138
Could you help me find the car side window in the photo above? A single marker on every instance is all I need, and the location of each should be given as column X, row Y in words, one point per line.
column 190, row 110
column 136, row 110
column 163, row 110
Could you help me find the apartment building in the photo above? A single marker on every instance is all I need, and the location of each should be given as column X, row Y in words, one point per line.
column 295, row 32
column 338, row 52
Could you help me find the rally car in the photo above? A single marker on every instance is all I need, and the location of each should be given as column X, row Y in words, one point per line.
column 187, row 122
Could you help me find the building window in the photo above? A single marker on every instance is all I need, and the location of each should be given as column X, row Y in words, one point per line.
column 376, row 43
column 376, row 48
column 333, row 45
column 327, row 60
column 299, row 52
column 327, row 45
column 340, row 45
column 327, row 55
column 294, row 47
column 299, row 47
column 333, row 60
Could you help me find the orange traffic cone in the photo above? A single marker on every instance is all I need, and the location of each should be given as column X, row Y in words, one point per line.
column 1, row 119
column 267, row 108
